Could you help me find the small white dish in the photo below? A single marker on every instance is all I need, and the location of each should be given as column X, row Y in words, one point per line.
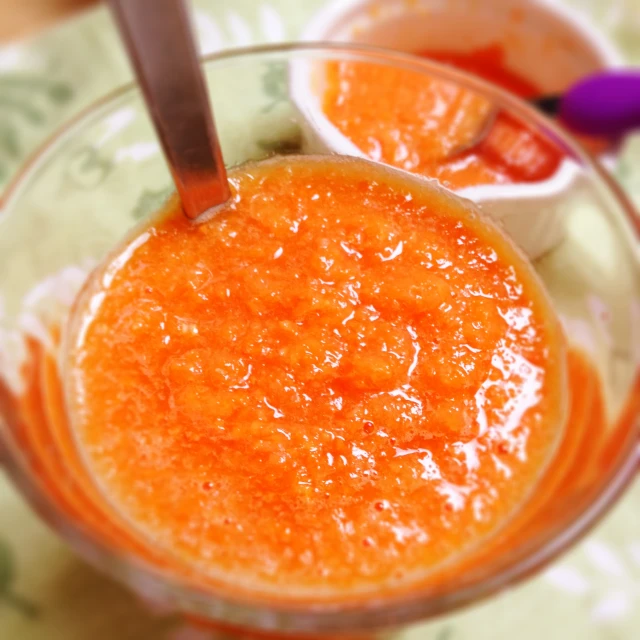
column 548, row 44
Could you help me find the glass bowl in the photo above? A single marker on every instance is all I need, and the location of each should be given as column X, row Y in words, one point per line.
column 104, row 173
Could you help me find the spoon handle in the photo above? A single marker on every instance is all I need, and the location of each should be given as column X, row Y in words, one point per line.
column 606, row 103
column 158, row 37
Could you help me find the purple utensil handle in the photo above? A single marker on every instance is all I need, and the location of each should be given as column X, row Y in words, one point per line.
column 603, row 104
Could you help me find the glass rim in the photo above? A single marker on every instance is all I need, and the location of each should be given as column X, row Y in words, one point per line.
column 387, row 611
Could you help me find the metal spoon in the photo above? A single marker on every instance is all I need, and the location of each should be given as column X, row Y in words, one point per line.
column 159, row 40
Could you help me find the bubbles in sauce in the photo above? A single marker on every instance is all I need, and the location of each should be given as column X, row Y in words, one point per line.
column 345, row 377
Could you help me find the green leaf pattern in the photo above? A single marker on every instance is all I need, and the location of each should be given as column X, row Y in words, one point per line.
column 8, row 596
column 274, row 85
column 26, row 100
column 149, row 202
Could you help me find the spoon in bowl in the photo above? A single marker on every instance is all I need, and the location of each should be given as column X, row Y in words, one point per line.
column 158, row 37
column 604, row 104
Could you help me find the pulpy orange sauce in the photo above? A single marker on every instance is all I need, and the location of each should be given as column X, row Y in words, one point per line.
column 435, row 127
column 342, row 380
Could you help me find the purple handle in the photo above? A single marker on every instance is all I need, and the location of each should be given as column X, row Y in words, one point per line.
column 603, row 104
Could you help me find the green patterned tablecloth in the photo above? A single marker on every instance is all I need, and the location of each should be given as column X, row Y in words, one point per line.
column 46, row 593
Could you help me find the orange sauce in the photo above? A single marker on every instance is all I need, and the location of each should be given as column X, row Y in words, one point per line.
column 435, row 128
column 40, row 428
column 574, row 463
column 344, row 379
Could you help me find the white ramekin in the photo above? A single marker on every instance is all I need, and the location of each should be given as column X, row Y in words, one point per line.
column 545, row 42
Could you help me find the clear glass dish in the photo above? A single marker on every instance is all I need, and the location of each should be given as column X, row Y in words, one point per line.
column 104, row 172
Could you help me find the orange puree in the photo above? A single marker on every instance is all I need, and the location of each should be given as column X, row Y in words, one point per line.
column 342, row 380
column 437, row 128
